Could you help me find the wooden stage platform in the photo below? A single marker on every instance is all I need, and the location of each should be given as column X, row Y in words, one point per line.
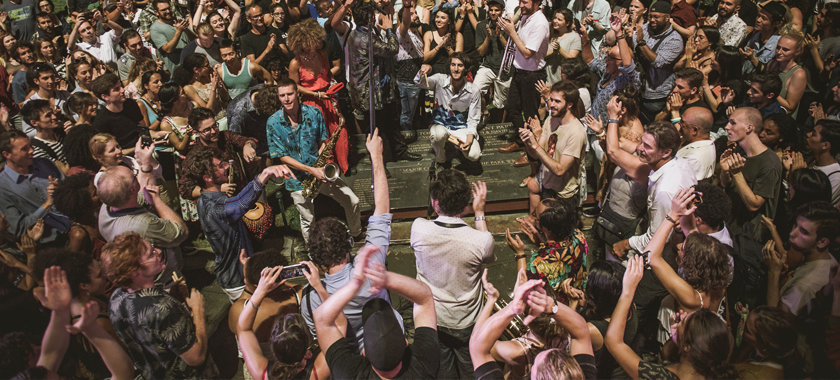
column 409, row 183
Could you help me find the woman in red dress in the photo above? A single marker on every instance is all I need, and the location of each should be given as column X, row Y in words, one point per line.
column 313, row 71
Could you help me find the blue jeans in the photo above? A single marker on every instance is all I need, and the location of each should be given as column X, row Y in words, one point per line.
column 409, row 96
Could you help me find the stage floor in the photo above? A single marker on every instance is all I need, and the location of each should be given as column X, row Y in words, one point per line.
column 409, row 183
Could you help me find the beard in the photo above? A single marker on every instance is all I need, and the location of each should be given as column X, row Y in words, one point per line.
column 561, row 113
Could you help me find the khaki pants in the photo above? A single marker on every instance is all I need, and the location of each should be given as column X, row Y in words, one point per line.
column 342, row 194
column 439, row 135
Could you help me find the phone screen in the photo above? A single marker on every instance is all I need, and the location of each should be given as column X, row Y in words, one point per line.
column 293, row 271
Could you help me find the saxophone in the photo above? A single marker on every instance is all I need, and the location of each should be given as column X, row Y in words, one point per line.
column 311, row 185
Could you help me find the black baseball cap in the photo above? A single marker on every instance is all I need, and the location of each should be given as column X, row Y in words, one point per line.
column 383, row 337
column 661, row 6
column 777, row 11
column 500, row 2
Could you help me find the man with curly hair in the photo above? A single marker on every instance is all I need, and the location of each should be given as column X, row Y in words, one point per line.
column 449, row 255
column 221, row 217
column 163, row 340
column 330, row 246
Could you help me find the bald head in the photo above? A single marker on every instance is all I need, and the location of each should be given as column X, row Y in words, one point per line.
column 700, row 118
column 115, row 186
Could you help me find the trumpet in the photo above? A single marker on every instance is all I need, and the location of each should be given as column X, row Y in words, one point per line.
column 517, row 326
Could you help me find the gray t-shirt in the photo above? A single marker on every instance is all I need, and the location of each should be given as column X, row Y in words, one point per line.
column 213, row 55
column 570, row 41
column 379, row 234
column 125, row 62
column 21, row 18
column 161, row 34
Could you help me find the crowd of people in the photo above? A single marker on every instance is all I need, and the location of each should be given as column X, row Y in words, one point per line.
column 698, row 139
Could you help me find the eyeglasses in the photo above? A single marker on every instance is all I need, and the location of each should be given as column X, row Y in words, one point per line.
column 214, row 127
column 154, row 255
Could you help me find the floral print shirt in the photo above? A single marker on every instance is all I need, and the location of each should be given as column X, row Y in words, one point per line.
column 300, row 143
column 157, row 329
column 554, row 262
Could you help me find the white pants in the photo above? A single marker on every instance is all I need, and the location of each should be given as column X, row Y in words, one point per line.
column 484, row 78
column 439, row 135
column 337, row 190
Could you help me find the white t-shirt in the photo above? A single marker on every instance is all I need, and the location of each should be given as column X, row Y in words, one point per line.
column 533, row 30
column 807, row 280
column 103, row 48
column 702, row 156
column 833, row 173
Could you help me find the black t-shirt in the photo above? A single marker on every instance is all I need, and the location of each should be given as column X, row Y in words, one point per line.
column 468, row 32
column 495, row 52
column 421, row 359
column 256, row 43
column 699, row 103
column 491, row 370
column 123, row 125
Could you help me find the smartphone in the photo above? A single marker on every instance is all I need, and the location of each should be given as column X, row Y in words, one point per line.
column 292, row 271
column 145, row 137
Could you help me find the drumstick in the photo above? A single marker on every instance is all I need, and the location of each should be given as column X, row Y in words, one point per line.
column 426, row 75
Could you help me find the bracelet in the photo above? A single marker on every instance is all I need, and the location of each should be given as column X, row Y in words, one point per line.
column 480, row 218
column 256, row 307
column 520, row 256
column 611, row 121
column 619, row 36
column 676, row 120
column 603, row 132
column 147, row 172
column 668, row 218
column 535, row 147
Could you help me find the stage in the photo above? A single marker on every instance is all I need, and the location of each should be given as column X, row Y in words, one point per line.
column 409, row 182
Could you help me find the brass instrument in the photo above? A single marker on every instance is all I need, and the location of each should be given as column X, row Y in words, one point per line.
column 230, row 172
column 311, row 185
column 517, row 326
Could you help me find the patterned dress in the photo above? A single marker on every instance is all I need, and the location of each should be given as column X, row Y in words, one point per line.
column 554, row 262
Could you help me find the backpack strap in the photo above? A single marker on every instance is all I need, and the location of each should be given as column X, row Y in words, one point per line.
column 307, row 290
column 656, row 45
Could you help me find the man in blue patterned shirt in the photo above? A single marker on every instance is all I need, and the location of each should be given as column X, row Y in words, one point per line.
column 221, row 217
column 296, row 136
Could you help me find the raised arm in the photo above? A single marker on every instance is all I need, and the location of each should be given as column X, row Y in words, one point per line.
column 255, row 363
column 56, row 297
column 337, row 20
column 484, row 338
column 381, row 193
column 676, row 286
column 326, row 314
column 630, row 163
column 623, row 354
column 236, row 19
column 110, row 350
column 413, row 290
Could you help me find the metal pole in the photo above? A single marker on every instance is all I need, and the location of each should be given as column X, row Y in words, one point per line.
column 371, row 87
